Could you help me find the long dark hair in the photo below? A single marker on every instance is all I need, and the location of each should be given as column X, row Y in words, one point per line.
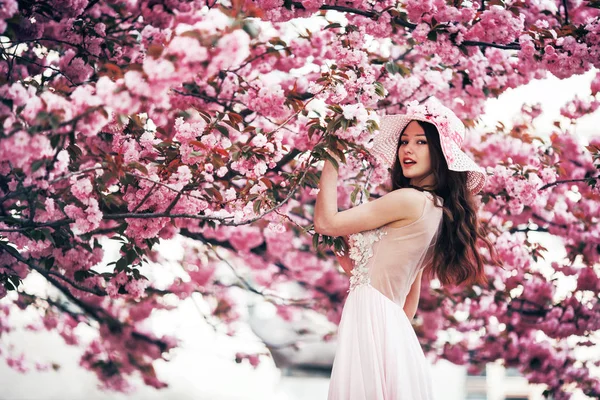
column 456, row 257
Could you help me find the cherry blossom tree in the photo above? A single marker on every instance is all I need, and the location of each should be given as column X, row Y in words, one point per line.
column 144, row 121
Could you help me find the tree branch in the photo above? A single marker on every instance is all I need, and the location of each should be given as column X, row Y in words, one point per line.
column 47, row 273
column 58, row 71
column 62, row 307
column 511, row 46
column 97, row 313
column 549, row 222
column 546, row 186
column 368, row 14
column 252, row 289
column 399, row 21
column 227, row 245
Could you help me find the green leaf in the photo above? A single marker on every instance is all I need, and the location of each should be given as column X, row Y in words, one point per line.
column 130, row 256
column 223, row 130
column 311, row 178
column 379, row 89
column 139, row 167
column 36, row 235
column 354, row 193
column 339, row 153
column 391, row 67
column 74, row 152
column 12, row 251
column 372, row 125
column 256, row 206
column 315, row 241
column 336, row 108
column 121, row 265
column 214, row 193
column 37, row 164
column 333, row 25
column 48, row 235
column 15, row 280
column 54, row 141
column 49, row 262
column 81, row 275
column 8, row 103
column 344, row 123
column 136, row 273
column 367, row 194
column 338, row 244
column 331, row 159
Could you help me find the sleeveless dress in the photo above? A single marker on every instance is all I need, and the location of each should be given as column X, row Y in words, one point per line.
column 378, row 355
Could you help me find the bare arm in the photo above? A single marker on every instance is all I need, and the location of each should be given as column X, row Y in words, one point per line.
column 397, row 205
column 412, row 299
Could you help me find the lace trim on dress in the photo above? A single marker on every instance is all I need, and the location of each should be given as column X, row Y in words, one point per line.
column 361, row 249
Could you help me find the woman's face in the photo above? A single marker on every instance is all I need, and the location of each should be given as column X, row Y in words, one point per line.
column 414, row 147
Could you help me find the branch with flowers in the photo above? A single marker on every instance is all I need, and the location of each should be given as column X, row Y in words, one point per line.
column 138, row 124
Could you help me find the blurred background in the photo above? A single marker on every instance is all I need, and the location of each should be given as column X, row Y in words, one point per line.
column 204, row 366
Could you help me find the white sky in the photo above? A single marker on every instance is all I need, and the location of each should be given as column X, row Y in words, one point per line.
column 552, row 93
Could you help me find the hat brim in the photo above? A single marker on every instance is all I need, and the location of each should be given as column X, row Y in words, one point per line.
column 385, row 144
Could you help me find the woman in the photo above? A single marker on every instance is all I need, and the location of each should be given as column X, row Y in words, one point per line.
column 428, row 222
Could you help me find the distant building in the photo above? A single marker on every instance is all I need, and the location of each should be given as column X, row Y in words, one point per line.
column 499, row 383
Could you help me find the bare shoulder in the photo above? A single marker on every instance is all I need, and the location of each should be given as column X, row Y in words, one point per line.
column 409, row 197
column 411, row 202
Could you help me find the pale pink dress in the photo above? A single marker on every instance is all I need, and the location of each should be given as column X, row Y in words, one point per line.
column 378, row 355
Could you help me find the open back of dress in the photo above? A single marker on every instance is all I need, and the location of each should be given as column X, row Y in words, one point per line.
column 378, row 356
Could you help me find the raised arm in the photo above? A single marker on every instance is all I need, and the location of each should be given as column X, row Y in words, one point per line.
column 397, row 205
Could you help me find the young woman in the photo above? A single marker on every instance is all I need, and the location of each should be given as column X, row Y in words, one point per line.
column 428, row 222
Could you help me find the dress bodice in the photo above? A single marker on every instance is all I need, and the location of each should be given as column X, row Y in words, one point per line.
column 389, row 258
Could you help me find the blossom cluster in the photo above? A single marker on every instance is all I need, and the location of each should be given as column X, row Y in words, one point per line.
column 139, row 122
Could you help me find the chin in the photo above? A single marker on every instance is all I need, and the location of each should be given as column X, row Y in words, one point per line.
column 412, row 175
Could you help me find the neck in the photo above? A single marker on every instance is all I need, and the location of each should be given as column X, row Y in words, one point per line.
column 425, row 181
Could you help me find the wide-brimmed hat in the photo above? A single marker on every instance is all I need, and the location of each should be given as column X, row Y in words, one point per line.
column 451, row 131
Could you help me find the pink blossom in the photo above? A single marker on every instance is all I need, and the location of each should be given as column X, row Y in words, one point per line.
column 417, row 8
column 189, row 51
column 497, row 25
column 85, row 221
column 127, row 124
column 259, row 140
column 8, row 9
column 140, row 228
column 421, row 31
column 81, row 188
column 312, row 5
column 233, row 49
column 267, row 100
column 75, row 68
column 595, row 86
column 588, row 280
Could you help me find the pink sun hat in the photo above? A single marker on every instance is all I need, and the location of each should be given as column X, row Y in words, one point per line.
column 452, row 134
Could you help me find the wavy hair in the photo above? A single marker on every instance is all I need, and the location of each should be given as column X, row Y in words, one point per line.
column 456, row 257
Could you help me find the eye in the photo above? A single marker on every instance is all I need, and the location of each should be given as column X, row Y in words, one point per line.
column 422, row 141
column 402, row 142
